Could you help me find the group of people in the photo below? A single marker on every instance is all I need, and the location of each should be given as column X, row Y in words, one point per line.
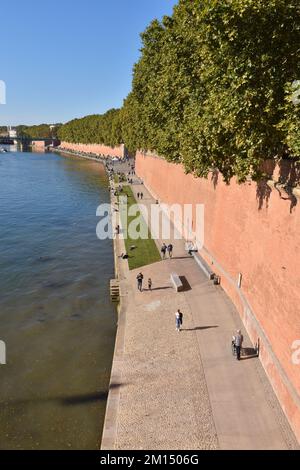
column 167, row 249
column 131, row 169
column 178, row 314
column 237, row 339
column 140, row 195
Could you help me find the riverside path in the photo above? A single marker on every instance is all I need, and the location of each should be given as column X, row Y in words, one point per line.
column 185, row 390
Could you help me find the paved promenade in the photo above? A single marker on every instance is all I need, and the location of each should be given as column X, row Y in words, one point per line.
column 185, row 390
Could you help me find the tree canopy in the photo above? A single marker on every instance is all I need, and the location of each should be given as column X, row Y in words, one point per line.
column 215, row 87
column 95, row 129
column 40, row 131
column 211, row 87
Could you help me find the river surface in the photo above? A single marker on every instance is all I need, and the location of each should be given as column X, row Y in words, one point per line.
column 56, row 317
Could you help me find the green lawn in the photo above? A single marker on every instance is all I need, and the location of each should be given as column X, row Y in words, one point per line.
column 146, row 251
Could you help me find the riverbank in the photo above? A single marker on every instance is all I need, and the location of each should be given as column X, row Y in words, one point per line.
column 95, row 149
column 184, row 390
column 109, row 434
column 93, row 157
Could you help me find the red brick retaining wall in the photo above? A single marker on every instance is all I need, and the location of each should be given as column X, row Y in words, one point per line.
column 97, row 149
column 253, row 230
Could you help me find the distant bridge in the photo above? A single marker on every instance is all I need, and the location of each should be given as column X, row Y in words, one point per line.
column 7, row 140
column 12, row 137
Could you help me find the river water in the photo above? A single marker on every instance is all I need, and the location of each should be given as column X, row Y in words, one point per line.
column 56, row 317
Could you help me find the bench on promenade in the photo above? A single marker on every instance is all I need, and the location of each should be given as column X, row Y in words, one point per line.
column 177, row 283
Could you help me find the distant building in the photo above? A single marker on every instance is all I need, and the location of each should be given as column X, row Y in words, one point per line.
column 12, row 133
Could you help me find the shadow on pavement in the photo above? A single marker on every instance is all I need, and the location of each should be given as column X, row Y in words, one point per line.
column 185, row 283
column 199, row 328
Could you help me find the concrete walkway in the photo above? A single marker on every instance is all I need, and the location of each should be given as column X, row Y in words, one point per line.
column 185, row 390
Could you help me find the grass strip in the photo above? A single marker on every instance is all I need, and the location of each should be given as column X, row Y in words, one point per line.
column 145, row 251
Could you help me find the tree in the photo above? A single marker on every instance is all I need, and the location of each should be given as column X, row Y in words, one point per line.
column 209, row 87
column 94, row 129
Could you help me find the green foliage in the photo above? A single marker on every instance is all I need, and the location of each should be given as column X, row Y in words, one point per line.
column 209, row 88
column 212, row 89
column 95, row 129
column 290, row 124
column 146, row 251
column 41, row 131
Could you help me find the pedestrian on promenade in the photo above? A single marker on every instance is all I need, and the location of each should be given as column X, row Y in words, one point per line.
column 142, row 195
column 178, row 319
column 138, row 195
column 140, row 278
column 170, row 250
column 163, row 250
column 149, row 284
column 238, row 341
column 118, row 229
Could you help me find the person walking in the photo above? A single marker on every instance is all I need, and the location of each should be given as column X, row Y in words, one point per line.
column 138, row 195
column 163, row 250
column 149, row 284
column 170, row 250
column 178, row 319
column 142, row 195
column 140, row 278
column 238, row 341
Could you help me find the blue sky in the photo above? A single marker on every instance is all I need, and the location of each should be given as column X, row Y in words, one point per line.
column 62, row 59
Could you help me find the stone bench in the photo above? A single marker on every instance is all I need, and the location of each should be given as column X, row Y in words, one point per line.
column 176, row 281
column 205, row 267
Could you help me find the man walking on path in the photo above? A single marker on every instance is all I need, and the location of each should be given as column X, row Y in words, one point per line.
column 149, row 284
column 178, row 319
column 138, row 195
column 238, row 341
column 140, row 278
column 163, row 250
column 142, row 195
column 170, row 250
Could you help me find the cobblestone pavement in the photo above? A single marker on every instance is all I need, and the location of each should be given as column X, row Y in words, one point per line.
column 184, row 390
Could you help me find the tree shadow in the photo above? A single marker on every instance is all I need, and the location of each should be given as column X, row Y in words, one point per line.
column 286, row 193
column 215, row 178
column 263, row 193
column 285, row 174
column 72, row 400
column 263, row 190
column 82, row 399
column 289, row 172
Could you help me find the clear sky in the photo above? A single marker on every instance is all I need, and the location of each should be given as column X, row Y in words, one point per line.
column 62, row 59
